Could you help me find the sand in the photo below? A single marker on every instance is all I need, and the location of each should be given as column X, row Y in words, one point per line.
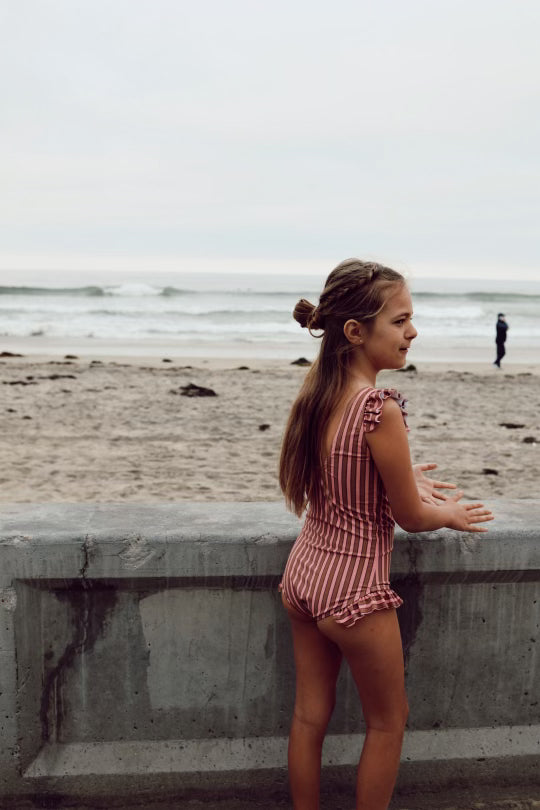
column 119, row 430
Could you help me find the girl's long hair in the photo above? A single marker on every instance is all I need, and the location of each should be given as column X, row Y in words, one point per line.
column 354, row 289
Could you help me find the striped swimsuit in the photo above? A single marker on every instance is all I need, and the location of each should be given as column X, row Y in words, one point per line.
column 339, row 565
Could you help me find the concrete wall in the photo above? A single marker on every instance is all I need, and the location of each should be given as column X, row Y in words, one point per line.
column 144, row 648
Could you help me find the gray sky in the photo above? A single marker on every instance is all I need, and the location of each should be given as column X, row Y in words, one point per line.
column 153, row 133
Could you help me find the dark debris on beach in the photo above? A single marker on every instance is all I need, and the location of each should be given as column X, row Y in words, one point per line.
column 192, row 390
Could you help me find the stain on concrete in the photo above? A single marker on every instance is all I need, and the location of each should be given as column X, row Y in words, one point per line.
column 89, row 611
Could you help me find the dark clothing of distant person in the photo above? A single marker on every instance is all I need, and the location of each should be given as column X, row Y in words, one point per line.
column 500, row 339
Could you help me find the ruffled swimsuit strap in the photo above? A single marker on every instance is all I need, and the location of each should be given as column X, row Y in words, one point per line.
column 374, row 405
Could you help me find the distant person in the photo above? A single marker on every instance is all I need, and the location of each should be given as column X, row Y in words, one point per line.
column 345, row 457
column 500, row 338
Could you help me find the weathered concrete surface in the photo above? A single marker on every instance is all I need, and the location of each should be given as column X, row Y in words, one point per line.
column 483, row 798
column 144, row 648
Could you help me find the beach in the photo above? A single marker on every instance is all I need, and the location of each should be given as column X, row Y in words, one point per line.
column 118, row 429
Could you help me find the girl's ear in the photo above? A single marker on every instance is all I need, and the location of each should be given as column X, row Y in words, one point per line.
column 354, row 332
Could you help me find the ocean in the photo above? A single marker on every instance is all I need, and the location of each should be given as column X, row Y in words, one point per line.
column 241, row 315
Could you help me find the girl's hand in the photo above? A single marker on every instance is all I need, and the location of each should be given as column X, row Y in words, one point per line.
column 465, row 516
column 427, row 487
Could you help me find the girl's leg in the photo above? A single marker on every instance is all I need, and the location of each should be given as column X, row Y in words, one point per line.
column 317, row 660
column 373, row 650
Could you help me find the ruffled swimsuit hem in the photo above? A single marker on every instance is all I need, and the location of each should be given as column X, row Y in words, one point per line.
column 375, row 599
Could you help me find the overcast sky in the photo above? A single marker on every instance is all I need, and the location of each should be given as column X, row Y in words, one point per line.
column 146, row 133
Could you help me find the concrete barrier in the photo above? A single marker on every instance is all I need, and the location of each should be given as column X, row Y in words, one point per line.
column 144, row 650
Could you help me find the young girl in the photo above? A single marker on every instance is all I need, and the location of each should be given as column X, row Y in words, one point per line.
column 345, row 454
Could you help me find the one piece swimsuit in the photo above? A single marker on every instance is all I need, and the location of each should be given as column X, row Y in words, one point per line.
column 340, row 562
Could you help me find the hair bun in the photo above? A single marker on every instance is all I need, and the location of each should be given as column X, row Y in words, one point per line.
column 303, row 312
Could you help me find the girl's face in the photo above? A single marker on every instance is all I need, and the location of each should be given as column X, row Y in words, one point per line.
column 386, row 340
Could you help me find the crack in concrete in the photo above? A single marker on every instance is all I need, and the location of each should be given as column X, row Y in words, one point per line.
column 85, row 548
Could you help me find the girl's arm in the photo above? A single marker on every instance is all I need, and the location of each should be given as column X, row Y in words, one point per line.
column 390, row 450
